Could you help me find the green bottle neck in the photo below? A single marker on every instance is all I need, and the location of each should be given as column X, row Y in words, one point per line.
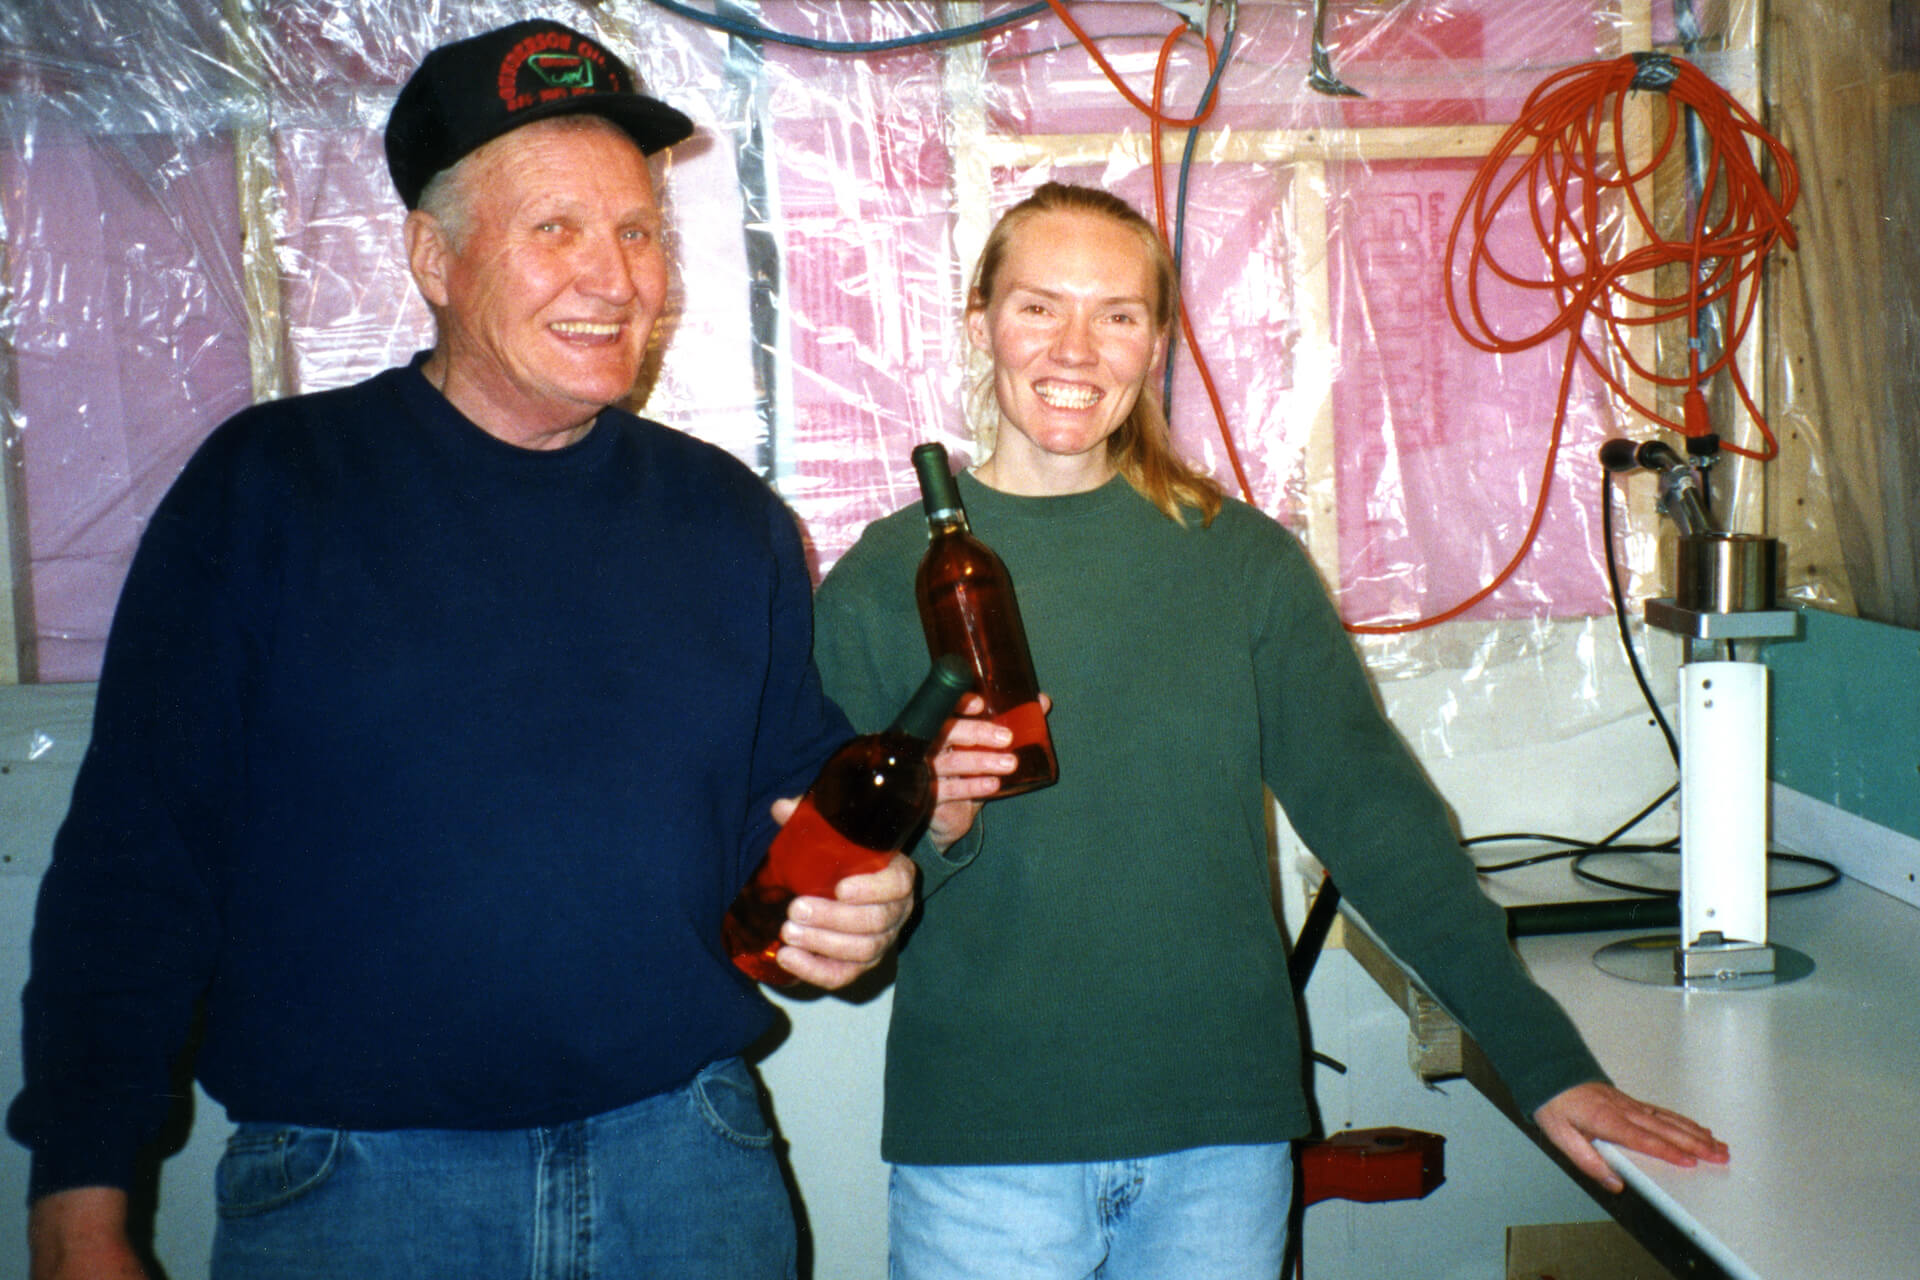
column 939, row 490
column 934, row 700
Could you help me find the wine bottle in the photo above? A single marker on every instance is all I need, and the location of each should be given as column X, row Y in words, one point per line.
column 967, row 607
column 869, row 799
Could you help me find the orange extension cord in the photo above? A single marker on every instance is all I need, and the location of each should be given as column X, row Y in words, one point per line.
column 1573, row 127
column 1573, row 131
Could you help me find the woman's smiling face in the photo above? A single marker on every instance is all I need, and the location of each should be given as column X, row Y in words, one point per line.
column 1071, row 330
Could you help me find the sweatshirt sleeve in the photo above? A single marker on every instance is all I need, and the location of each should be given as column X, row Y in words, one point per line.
column 1355, row 794
column 799, row 726
column 125, row 932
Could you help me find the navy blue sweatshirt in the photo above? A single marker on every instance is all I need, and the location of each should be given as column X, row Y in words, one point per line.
column 431, row 765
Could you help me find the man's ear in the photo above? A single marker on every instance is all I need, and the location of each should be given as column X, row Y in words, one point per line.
column 428, row 255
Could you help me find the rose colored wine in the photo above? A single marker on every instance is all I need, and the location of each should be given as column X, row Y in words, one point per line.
column 807, row 857
column 1032, row 745
column 967, row 607
column 871, row 797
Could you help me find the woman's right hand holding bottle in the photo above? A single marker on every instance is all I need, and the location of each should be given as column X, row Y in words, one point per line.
column 968, row 768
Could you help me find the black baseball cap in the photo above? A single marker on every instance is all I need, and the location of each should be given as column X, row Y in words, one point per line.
column 468, row 93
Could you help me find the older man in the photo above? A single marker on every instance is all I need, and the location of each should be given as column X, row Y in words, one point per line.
column 441, row 719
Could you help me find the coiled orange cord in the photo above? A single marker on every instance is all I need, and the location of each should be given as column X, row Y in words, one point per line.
column 1568, row 118
column 1574, row 127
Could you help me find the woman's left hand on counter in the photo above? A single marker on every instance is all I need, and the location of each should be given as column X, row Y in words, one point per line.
column 1574, row 1120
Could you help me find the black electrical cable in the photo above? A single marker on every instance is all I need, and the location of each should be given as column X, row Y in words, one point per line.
column 756, row 31
column 1605, row 842
column 1829, row 874
column 1620, row 615
column 1576, row 849
column 1517, row 864
column 1569, row 850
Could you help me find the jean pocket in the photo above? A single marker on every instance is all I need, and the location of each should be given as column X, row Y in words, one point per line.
column 266, row 1166
column 728, row 1098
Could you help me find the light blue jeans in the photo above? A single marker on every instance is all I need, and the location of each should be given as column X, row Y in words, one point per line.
column 1211, row 1213
column 680, row 1186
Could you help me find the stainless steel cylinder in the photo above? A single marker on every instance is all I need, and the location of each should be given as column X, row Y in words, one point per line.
column 1726, row 572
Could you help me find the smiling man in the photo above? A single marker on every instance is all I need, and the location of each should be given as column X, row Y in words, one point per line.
column 442, row 717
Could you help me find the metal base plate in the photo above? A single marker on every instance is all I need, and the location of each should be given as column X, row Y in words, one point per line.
column 1650, row 960
column 1768, row 624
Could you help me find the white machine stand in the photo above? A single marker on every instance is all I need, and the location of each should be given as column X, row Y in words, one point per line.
column 1723, row 594
column 1723, row 818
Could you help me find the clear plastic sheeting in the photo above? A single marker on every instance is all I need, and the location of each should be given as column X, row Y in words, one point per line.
column 197, row 215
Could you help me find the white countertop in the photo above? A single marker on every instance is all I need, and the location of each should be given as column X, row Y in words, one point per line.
column 1814, row 1084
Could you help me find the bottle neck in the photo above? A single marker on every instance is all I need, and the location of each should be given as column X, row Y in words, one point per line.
column 934, row 700
column 947, row 520
column 939, row 490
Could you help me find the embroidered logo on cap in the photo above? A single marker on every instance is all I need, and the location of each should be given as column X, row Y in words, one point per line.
column 565, row 70
column 553, row 65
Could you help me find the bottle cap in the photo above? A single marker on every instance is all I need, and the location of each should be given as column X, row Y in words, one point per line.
column 939, row 491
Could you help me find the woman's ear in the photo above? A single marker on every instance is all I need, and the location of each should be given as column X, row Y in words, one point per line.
column 428, row 254
column 977, row 328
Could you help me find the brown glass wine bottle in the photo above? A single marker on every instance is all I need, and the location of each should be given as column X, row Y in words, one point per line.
column 967, row 607
column 869, row 799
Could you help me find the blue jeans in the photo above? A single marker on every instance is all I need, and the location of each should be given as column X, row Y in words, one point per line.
column 681, row 1186
column 1211, row 1213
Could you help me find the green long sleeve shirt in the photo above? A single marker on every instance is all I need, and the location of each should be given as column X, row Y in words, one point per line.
column 1096, row 972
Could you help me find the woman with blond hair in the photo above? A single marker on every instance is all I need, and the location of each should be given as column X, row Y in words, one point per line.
column 1094, row 1065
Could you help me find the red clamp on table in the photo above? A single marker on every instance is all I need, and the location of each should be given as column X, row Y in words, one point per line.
column 1372, row 1165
